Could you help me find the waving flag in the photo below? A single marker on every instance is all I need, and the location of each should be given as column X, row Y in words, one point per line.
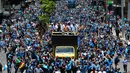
column 4, row 68
column 21, row 65
column 17, row 61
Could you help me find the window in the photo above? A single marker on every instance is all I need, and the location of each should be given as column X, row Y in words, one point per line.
column 64, row 49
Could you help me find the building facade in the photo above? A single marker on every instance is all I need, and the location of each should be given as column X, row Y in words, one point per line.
column 126, row 8
column 117, row 6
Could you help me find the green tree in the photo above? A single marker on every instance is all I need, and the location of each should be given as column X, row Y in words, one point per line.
column 48, row 8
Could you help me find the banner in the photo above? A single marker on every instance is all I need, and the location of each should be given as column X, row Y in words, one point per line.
column 129, row 11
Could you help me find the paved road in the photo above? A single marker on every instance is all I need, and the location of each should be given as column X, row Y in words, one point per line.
column 3, row 61
column 121, row 59
column 121, row 66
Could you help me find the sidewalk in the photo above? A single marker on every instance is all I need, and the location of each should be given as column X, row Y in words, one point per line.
column 3, row 59
column 4, row 62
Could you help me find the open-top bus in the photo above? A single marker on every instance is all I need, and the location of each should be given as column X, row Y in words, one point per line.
column 65, row 44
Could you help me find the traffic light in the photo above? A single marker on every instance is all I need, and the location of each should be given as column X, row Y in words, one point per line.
column 109, row 3
column 110, row 7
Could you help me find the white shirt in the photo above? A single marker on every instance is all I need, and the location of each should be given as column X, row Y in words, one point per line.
column 128, row 42
column 78, row 71
column 69, row 27
column 57, row 72
column 102, row 53
column 62, row 27
column 76, row 26
column 38, row 70
column 73, row 28
column 24, row 71
column 102, row 72
column 125, row 62
column 56, row 27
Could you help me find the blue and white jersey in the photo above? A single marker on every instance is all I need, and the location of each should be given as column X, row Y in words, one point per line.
column 125, row 62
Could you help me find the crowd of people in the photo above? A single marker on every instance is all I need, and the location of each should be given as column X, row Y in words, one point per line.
column 98, row 51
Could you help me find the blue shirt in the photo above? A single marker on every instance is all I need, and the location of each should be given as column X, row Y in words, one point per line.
column 68, row 67
column 83, row 69
column 28, row 26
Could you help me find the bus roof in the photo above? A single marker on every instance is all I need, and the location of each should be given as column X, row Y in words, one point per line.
column 64, row 40
column 64, row 33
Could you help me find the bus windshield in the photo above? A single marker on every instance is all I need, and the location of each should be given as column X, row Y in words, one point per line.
column 64, row 49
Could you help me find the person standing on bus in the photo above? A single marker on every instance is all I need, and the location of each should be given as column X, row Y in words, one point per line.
column 66, row 29
column 59, row 28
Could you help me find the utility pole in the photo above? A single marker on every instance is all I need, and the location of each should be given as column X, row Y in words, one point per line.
column 122, row 16
column 106, row 7
column 1, row 7
column 122, row 9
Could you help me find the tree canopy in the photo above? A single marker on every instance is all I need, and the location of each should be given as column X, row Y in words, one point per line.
column 48, row 7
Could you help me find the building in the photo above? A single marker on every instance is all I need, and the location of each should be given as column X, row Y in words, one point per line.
column 126, row 8
column 117, row 6
column 6, row 5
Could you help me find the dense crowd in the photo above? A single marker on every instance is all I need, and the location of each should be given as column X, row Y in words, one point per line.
column 98, row 51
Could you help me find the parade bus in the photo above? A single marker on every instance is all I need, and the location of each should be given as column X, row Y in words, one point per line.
column 65, row 44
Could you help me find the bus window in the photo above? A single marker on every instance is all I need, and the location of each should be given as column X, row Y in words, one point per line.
column 64, row 50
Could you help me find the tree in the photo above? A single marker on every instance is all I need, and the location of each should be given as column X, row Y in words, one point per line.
column 48, row 8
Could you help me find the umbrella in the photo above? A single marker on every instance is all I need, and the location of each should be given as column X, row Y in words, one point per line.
column 0, row 31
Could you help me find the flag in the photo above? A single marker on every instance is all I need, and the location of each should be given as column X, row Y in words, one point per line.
column 21, row 65
column 17, row 61
column 45, row 66
column 4, row 68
